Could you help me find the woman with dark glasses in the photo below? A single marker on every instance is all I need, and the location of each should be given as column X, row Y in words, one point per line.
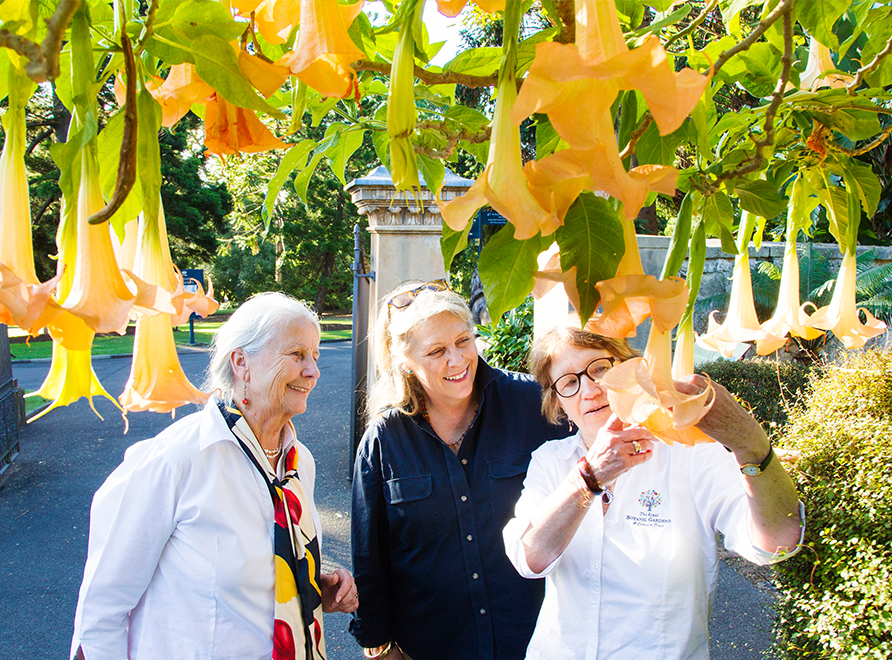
column 623, row 527
column 436, row 478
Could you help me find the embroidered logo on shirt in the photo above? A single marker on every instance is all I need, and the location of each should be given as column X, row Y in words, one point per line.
column 650, row 500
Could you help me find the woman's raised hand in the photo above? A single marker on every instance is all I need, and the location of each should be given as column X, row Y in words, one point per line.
column 618, row 448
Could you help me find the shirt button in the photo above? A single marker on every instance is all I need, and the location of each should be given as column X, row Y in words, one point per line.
column 475, row 576
column 470, row 538
column 464, row 461
column 464, row 498
column 482, row 611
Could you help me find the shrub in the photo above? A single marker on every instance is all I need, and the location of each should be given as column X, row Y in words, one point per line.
column 509, row 342
column 836, row 595
column 770, row 389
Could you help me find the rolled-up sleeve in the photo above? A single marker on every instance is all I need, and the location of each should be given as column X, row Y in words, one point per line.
column 372, row 622
column 131, row 519
column 537, row 486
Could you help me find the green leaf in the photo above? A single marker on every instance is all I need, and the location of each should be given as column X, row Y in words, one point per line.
column 730, row 10
column 591, row 239
column 452, row 242
column 193, row 19
column 818, row 19
column 678, row 246
column 362, row 34
column 217, row 64
column 763, row 67
column 338, row 155
column 432, row 170
column 854, row 124
column 148, row 152
column 302, row 180
column 717, row 214
column 759, row 197
column 466, row 117
column 547, row 139
column 109, row 153
column 836, row 203
column 652, row 148
column 506, row 269
column 476, row 61
column 294, row 158
column 865, row 183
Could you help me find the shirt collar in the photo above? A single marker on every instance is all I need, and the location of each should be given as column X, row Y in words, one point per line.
column 214, row 428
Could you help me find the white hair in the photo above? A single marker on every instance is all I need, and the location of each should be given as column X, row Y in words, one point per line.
column 251, row 328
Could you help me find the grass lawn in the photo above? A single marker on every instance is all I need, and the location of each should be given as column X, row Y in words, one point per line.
column 116, row 345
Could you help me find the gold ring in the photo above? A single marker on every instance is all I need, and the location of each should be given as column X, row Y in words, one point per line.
column 637, row 446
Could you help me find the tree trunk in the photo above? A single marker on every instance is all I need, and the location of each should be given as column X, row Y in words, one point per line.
column 322, row 290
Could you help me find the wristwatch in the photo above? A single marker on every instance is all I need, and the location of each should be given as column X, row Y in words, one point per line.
column 755, row 469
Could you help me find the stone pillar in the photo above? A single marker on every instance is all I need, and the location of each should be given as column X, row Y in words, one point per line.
column 405, row 233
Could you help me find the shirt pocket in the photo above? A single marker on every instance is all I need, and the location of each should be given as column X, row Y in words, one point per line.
column 506, row 476
column 412, row 509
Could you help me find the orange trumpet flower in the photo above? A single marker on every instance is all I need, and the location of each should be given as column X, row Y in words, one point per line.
column 452, row 8
column 324, row 50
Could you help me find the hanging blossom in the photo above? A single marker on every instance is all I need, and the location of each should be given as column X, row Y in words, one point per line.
column 741, row 323
column 275, row 19
column 789, row 316
column 820, row 63
column 401, row 111
column 502, row 184
column 157, row 381
column 452, row 8
column 576, row 85
column 324, row 51
column 642, row 391
column 841, row 316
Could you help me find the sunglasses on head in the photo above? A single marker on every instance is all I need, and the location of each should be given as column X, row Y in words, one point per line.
column 406, row 298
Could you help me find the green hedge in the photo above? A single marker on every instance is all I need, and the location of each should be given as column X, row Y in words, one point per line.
column 769, row 388
column 836, row 595
column 509, row 342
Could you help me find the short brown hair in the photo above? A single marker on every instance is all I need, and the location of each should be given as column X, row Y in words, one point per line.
column 546, row 347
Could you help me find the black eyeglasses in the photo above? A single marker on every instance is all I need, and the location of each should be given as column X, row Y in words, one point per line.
column 405, row 298
column 569, row 384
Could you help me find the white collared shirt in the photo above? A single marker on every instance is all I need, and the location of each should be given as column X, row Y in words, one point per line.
column 636, row 583
column 180, row 558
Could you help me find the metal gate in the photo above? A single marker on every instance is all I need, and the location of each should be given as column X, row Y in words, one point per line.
column 9, row 432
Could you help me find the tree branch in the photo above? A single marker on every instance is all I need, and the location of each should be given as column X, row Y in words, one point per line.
column 43, row 209
column 781, row 10
column 873, row 144
column 47, row 68
column 430, row 77
column 566, row 10
column 21, row 45
column 864, row 70
column 148, row 28
column 693, row 26
column 777, row 97
column 40, row 137
column 629, row 149
column 452, row 139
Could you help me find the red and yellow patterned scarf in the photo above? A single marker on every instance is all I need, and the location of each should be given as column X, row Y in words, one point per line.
column 297, row 633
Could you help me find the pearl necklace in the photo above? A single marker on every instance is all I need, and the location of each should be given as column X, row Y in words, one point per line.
column 272, row 453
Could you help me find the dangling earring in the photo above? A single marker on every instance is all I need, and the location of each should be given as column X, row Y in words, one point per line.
column 245, row 400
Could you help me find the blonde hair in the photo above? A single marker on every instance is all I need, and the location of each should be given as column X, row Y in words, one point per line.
column 251, row 327
column 546, row 347
column 394, row 387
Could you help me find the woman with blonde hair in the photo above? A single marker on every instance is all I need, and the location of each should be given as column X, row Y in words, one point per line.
column 436, row 477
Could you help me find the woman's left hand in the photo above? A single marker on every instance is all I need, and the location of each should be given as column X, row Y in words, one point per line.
column 338, row 592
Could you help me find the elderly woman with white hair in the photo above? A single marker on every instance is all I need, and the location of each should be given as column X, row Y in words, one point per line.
column 204, row 542
column 436, row 477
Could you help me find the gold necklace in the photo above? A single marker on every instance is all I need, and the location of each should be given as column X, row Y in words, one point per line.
column 451, row 445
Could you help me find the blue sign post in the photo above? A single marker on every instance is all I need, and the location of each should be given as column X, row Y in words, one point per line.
column 192, row 279
column 486, row 216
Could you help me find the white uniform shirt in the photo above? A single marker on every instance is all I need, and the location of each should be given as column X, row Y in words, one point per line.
column 636, row 583
column 180, row 559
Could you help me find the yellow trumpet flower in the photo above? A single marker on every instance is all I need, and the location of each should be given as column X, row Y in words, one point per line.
column 157, row 381
column 71, row 377
column 820, row 61
column 275, row 19
column 324, row 50
column 452, row 8
column 741, row 323
column 641, row 391
column 503, row 184
column 576, row 84
column 841, row 316
column 401, row 111
column 683, row 357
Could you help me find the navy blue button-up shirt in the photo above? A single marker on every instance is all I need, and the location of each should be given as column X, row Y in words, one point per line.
column 428, row 555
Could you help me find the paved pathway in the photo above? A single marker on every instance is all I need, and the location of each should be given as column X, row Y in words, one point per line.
column 45, row 500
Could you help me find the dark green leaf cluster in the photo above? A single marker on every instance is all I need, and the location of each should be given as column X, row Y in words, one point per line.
column 509, row 340
column 769, row 389
column 836, row 595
